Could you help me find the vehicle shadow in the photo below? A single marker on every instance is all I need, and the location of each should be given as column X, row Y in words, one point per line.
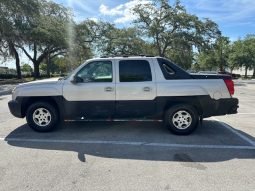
column 116, row 140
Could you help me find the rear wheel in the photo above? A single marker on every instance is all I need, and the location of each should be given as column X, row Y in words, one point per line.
column 42, row 116
column 181, row 119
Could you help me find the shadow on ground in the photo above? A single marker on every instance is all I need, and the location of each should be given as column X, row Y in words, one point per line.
column 210, row 133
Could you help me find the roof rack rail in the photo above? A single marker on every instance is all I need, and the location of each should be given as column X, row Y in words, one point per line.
column 125, row 56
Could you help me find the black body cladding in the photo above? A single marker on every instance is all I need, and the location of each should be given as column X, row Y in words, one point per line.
column 153, row 109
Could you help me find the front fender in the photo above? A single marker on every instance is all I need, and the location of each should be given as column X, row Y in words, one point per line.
column 37, row 90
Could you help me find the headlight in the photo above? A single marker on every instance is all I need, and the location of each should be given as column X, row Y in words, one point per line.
column 14, row 93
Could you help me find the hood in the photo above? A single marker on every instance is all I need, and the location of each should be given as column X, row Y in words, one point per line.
column 40, row 82
column 47, row 87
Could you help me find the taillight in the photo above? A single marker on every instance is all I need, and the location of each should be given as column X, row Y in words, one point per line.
column 230, row 85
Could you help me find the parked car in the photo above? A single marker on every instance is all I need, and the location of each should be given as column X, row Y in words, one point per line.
column 125, row 88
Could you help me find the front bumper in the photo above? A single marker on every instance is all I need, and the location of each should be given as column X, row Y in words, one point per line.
column 15, row 108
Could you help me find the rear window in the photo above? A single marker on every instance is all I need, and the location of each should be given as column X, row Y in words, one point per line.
column 134, row 71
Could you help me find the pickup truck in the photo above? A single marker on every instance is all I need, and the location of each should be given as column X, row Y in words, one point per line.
column 125, row 88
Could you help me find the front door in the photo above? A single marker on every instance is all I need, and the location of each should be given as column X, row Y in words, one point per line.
column 135, row 89
column 93, row 96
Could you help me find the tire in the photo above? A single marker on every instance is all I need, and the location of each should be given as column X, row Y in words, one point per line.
column 42, row 116
column 181, row 119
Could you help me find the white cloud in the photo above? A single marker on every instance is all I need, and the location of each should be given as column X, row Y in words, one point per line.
column 122, row 13
column 105, row 10
column 93, row 19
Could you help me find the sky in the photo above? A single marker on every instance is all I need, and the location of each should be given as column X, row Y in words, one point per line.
column 236, row 18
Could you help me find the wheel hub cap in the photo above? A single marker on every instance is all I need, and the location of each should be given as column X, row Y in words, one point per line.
column 42, row 117
column 182, row 119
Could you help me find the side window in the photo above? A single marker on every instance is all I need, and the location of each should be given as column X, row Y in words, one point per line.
column 98, row 71
column 134, row 71
column 172, row 71
column 168, row 69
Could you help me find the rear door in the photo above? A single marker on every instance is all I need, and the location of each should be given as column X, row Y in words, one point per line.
column 135, row 88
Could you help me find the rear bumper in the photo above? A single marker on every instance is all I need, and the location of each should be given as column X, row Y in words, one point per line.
column 15, row 108
column 220, row 107
column 227, row 106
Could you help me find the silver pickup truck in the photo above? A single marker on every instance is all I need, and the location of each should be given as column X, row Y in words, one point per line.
column 125, row 88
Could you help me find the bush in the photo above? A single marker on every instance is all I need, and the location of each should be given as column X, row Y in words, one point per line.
column 8, row 76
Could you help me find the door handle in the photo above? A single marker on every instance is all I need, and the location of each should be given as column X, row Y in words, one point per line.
column 108, row 89
column 146, row 89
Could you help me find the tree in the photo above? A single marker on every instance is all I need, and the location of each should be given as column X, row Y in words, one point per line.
column 242, row 53
column 249, row 42
column 62, row 65
column 206, row 60
column 215, row 58
column 182, row 54
column 124, row 41
column 170, row 26
column 59, row 65
column 48, row 34
column 15, row 16
column 26, row 68
column 85, row 35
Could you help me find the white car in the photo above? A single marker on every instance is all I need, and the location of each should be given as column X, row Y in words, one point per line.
column 125, row 88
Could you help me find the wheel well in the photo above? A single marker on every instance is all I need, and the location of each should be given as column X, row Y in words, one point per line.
column 194, row 103
column 31, row 100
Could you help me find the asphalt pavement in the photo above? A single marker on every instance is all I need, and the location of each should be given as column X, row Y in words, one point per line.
column 130, row 155
column 6, row 89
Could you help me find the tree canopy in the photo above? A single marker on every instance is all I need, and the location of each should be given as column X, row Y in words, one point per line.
column 16, row 18
column 46, row 33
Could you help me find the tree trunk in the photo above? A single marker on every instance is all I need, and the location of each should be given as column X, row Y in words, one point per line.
column 36, row 70
column 17, row 65
column 221, row 67
column 221, row 61
column 48, row 66
column 253, row 75
column 246, row 69
column 16, row 55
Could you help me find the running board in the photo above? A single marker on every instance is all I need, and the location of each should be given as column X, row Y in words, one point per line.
column 111, row 120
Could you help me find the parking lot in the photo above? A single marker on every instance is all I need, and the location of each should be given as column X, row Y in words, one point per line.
column 131, row 155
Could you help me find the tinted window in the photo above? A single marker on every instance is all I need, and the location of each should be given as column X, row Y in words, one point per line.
column 98, row 71
column 168, row 69
column 134, row 71
column 172, row 71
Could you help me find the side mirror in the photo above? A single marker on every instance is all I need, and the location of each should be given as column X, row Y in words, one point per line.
column 76, row 79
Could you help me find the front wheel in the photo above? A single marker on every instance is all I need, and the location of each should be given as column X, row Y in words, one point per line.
column 181, row 119
column 42, row 116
